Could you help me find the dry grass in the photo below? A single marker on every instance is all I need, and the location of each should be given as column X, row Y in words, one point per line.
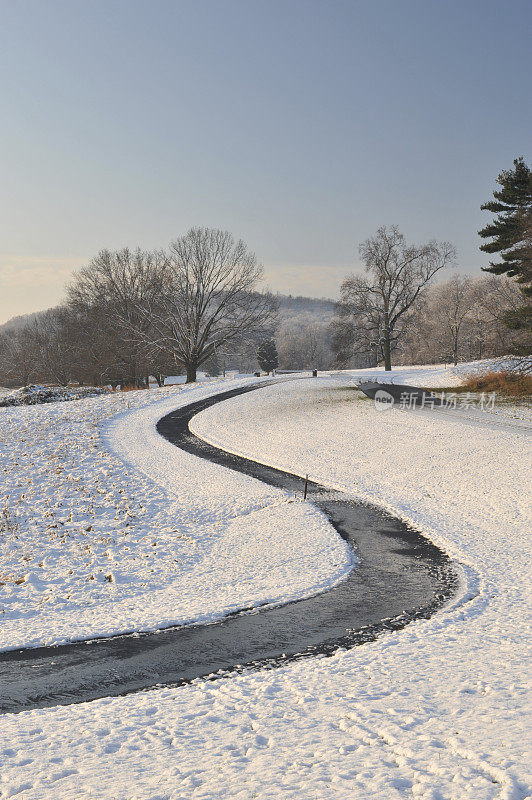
column 511, row 384
column 504, row 383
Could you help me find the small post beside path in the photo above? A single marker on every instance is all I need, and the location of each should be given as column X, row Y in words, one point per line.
column 306, row 487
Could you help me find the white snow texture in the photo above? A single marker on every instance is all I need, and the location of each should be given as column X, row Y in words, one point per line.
column 436, row 711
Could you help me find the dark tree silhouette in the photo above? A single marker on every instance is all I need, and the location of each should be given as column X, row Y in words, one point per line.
column 267, row 355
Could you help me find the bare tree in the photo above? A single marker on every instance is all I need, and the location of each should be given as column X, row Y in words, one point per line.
column 55, row 342
column 18, row 362
column 463, row 319
column 110, row 295
column 303, row 342
column 494, row 301
column 449, row 308
column 375, row 305
column 209, row 299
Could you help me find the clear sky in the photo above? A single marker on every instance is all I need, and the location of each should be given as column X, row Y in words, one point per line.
column 300, row 126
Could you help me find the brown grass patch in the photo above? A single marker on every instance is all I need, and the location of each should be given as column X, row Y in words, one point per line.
column 512, row 384
column 132, row 388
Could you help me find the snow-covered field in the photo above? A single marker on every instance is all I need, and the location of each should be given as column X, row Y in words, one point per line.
column 35, row 394
column 433, row 375
column 108, row 528
column 436, row 711
column 444, row 379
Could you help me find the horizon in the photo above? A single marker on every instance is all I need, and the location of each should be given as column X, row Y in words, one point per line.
column 300, row 128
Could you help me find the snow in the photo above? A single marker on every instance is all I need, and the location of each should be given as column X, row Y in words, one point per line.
column 108, row 528
column 35, row 394
column 174, row 380
column 433, row 376
column 501, row 363
column 436, row 711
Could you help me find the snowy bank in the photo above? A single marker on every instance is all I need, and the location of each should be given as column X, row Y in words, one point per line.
column 108, row 528
column 35, row 395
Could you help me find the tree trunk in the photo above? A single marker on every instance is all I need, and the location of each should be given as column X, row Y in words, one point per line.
column 387, row 346
column 191, row 372
column 387, row 353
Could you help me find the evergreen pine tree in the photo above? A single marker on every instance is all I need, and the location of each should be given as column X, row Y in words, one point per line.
column 510, row 230
column 267, row 355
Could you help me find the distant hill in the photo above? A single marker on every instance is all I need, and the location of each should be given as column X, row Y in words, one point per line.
column 289, row 304
column 321, row 307
column 16, row 323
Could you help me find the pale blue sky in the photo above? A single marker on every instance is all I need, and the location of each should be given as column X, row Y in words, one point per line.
column 300, row 126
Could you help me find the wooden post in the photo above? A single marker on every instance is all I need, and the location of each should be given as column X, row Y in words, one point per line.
column 306, row 487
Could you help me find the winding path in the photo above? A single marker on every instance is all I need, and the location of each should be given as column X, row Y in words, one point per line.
column 400, row 576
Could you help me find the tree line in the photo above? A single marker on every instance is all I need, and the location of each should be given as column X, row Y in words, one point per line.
column 131, row 314
column 460, row 319
column 392, row 309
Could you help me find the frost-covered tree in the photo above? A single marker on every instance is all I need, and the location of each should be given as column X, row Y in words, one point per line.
column 450, row 306
column 209, row 298
column 463, row 319
column 303, row 342
column 374, row 306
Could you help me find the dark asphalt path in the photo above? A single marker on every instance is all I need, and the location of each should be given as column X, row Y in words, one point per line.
column 400, row 576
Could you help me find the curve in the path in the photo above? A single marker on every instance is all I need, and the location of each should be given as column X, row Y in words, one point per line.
column 400, row 576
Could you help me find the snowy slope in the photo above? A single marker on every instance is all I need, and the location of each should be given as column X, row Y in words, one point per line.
column 435, row 376
column 108, row 528
column 436, row 711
